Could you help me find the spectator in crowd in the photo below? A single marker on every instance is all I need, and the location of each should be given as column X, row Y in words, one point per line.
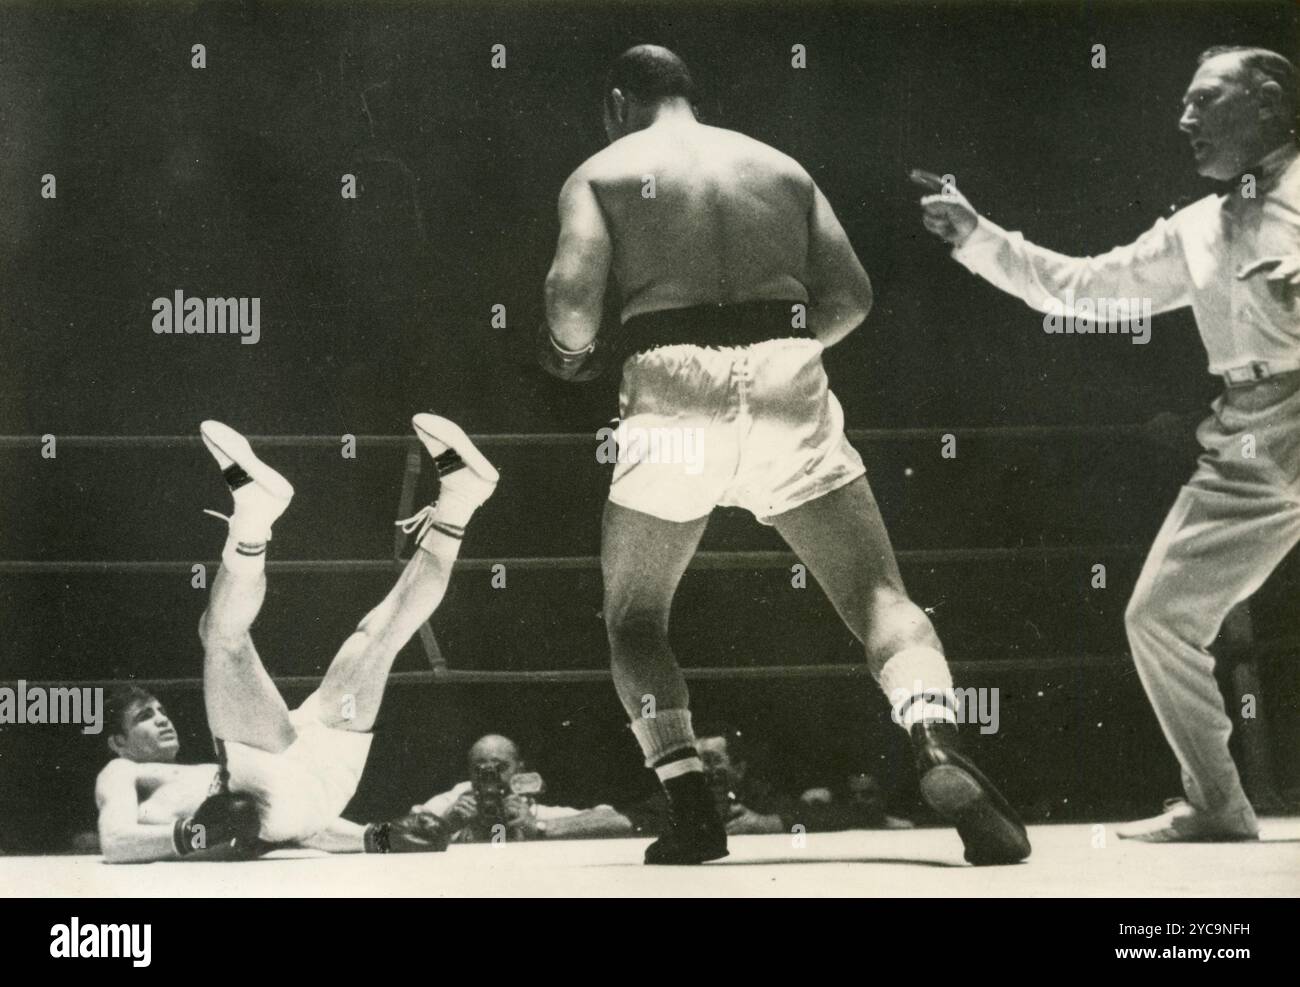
column 501, row 801
column 860, row 804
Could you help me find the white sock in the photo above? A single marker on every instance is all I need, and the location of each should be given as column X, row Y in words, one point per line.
column 243, row 557
column 441, row 545
column 918, row 684
column 667, row 732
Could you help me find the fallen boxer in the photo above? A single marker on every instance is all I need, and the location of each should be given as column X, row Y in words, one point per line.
column 283, row 777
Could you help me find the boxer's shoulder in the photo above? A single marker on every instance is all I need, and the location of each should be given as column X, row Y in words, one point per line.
column 117, row 778
column 150, row 774
column 119, row 767
column 647, row 151
column 754, row 151
column 617, row 159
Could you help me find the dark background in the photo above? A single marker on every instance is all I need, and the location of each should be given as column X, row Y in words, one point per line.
column 225, row 181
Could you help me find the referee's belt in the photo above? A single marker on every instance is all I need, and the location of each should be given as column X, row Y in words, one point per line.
column 1258, row 370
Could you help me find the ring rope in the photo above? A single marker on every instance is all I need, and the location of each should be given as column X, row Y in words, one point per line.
column 997, row 432
column 702, row 560
column 699, row 674
column 1275, row 648
column 441, row 674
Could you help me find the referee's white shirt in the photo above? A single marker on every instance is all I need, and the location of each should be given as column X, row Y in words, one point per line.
column 1191, row 258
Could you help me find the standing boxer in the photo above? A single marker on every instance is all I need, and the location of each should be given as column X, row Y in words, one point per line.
column 1235, row 259
column 722, row 247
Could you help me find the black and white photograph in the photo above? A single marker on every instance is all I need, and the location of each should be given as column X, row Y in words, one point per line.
column 680, row 449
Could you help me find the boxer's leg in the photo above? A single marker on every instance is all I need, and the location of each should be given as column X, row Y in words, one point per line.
column 242, row 702
column 842, row 539
column 642, row 560
column 353, row 688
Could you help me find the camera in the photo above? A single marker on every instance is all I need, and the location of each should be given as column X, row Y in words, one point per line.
column 491, row 787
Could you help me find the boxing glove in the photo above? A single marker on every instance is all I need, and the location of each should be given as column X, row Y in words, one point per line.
column 575, row 366
column 225, row 824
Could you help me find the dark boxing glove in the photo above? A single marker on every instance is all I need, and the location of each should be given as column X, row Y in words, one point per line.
column 224, row 827
column 576, row 366
column 416, row 832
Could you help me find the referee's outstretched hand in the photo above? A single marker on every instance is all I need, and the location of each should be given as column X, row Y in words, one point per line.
column 945, row 211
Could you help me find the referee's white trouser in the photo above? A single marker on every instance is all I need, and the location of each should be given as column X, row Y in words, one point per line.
column 1231, row 525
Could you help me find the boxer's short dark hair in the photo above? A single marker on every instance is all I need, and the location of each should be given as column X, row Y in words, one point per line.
column 119, row 701
column 1263, row 66
column 651, row 74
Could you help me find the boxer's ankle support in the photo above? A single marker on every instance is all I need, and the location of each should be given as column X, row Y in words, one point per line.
column 448, row 462
column 236, row 476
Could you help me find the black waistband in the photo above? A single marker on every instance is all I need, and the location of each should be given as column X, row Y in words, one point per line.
column 738, row 324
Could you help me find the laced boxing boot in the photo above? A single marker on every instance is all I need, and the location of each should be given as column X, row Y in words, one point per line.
column 955, row 789
column 695, row 833
column 260, row 494
column 466, row 479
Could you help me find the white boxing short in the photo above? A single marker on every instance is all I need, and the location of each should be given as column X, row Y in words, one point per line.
column 306, row 786
column 753, row 426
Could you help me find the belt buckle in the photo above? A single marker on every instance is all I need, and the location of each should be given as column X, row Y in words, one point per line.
column 1250, row 373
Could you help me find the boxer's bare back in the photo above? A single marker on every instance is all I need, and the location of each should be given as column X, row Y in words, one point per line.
column 701, row 215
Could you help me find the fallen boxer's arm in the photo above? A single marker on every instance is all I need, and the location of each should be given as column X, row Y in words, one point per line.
column 340, row 836
column 589, row 824
column 122, row 838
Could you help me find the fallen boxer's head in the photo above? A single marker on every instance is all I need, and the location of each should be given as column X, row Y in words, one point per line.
column 642, row 82
column 1239, row 106
column 139, row 728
